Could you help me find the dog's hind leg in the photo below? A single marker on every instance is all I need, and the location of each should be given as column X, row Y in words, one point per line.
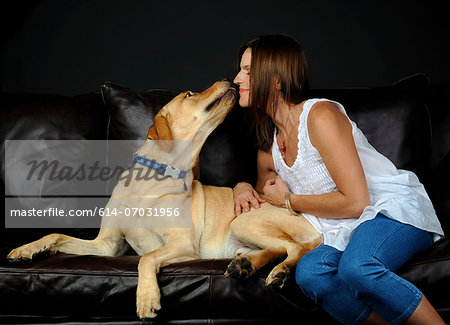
column 280, row 273
column 109, row 242
column 275, row 241
column 245, row 265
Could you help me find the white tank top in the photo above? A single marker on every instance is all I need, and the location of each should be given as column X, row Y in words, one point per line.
column 398, row 194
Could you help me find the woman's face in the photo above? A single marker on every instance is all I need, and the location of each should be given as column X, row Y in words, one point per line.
column 242, row 79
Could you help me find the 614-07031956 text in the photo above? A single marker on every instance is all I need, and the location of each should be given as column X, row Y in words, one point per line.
column 56, row 212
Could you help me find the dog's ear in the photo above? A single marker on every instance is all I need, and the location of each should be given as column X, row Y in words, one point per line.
column 196, row 168
column 160, row 130
column 152, row 134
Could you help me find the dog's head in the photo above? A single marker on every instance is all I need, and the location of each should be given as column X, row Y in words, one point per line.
column 193, row 116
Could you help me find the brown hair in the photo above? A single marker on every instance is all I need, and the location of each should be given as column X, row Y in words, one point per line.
column 274, row 55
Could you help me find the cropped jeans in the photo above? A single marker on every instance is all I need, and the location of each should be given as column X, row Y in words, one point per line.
column 349, row 285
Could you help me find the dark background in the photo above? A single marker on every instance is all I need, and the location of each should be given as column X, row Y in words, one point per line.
column 71, row 47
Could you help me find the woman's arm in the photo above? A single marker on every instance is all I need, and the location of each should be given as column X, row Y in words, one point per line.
column 244, row 194
column 266, row 169
column 330, row 132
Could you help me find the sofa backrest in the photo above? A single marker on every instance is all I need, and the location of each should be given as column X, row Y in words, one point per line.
column 395, row 120
column 26, row 116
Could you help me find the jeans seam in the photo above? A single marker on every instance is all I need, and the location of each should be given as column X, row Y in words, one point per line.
column 417, row 293
column 385, row 238
column 408, row 312
column 325, row 259
column 363, row 316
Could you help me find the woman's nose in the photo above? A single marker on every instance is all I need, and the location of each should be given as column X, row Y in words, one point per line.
column 237, row 80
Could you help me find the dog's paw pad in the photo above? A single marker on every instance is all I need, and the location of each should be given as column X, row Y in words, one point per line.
column 239, row 268
column 277, row 280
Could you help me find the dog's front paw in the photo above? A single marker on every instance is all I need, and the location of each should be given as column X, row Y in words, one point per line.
column 239, row 268
column 22, row 253
column 148, row 302
column 277, row 278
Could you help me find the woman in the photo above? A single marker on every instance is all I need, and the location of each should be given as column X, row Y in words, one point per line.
column 312, row 159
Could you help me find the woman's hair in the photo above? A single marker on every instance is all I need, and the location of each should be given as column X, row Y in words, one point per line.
column 274, row 56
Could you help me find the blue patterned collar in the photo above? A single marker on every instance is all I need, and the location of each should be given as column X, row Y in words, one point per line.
column 162, row 169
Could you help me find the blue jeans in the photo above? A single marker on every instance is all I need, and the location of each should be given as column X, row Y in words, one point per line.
column 349, row 285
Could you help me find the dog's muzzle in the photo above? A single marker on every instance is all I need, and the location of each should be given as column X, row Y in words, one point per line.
column 230, row 92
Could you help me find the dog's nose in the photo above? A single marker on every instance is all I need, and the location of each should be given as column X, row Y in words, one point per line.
column 226, row 79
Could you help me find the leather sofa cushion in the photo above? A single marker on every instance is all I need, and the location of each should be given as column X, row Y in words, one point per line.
column 440, row 193
column 132, row 112
column 106, row 287
column 94, row 286
column 438, row 102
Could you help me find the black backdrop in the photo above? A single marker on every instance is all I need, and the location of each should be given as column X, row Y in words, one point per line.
column 70, row 47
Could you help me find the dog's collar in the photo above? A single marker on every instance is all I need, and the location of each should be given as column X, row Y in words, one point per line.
column 162, row 169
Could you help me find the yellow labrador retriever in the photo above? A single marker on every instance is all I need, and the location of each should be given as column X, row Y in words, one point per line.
column 254, row 238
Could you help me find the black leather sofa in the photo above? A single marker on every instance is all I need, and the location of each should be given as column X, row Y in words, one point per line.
column 407, row 121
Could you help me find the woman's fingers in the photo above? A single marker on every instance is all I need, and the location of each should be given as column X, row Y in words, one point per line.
column 237, row 209
column 244, row 198
column 258, row 197
column 245, row 206
column 254, row 201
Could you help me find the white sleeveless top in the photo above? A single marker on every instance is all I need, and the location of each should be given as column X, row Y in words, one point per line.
column 396, row 193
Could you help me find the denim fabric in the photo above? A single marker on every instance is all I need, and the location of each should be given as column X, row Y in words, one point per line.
column 352, row 283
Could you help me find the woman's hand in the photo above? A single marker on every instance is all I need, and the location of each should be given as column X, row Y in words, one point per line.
column 244, row 195
column 274, row 191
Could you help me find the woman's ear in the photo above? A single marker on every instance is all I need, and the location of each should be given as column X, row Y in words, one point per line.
column 277, row 84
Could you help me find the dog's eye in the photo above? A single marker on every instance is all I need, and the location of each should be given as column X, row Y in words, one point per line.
column 189, row 94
